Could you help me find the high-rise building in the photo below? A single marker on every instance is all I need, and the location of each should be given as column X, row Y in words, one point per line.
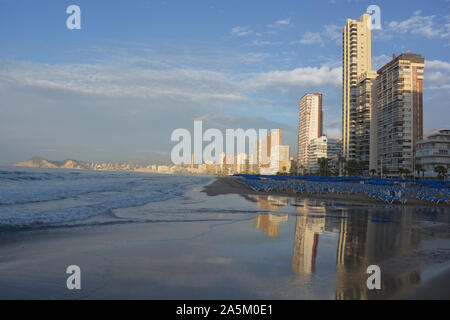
column 356, row 59
column 360, row 116
column 242, row 163
column 279, row 159
column 272, row 156
column 397, row 112
column 317, row 149
column 323, row 147
column 310, row 125
column 265, row 146
column 434, row 151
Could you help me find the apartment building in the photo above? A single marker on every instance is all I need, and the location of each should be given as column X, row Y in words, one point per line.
column 361, row 119
column 397, row 113
column 310, row 125
column 356, row 59
column 434, row 151
column 323, row 147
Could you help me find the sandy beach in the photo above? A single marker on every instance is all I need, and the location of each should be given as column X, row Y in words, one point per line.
column 230, row 185
column 229, row 243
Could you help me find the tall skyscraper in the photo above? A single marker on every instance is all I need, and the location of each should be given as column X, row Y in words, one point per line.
column 397, row 111
column 361, row 116
column 356, row 59
column 310, row 125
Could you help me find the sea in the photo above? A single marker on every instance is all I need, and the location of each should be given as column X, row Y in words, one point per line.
column 36, row 198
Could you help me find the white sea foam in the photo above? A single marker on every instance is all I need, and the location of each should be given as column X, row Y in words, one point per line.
column 37, row 197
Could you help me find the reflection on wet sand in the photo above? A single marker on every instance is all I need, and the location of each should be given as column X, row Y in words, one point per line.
column 273, row 203
column 363, row 239
column 269, row 222
column 306, row 239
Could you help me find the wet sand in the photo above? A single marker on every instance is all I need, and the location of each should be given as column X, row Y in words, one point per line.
column 436, row 288
column 314, row 250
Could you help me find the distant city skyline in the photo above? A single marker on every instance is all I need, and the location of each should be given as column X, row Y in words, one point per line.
column 117, row 88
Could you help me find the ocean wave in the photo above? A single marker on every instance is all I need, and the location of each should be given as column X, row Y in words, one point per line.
column 34, row 202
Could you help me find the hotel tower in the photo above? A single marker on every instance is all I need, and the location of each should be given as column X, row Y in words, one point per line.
column 397, row 113
column 310, row 125
column 356, row 59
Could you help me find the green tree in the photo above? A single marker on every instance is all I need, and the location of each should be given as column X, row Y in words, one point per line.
column 294, row 168
column 403, row 172
column 441, row 171
column 352, row 168
column 301, row 170
column 418, row 169
column 423, row 172
column 323, row 166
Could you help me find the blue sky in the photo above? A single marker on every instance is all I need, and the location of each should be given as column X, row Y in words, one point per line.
column 139, row 69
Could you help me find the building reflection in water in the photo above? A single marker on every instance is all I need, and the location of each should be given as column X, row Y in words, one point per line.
column 272, row 203
column 269, row 222
column 309, row 225
column 363, row 239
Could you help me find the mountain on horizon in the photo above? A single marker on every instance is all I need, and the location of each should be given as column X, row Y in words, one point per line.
column 39, row 162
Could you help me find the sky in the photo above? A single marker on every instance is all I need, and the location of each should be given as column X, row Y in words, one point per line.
column 137, row 70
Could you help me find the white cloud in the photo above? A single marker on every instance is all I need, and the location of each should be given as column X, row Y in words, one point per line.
column 333, row 32
column 241, row 31
column 330, row 32
column 333, row 133
column 437, row 75
column 311, row 38
column 280, row 24
column 438, row 65
column 284, row 22
column 173, row 83
column 299, row 77
column 379, row 61
column 117, row 80
column 420, row 25
column 333, row 123
column 260, row 43
column 427, row 27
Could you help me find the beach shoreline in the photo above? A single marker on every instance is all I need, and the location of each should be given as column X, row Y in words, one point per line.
column 215, row 242
column 229, row 185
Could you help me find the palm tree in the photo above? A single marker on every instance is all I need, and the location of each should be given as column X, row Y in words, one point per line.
column 352, row 168
column 423, row 172
column 441, row 171
column 403, row 172
column 341, row 162
column 419, row 168
column 323, row 166
column 302, row 170
column 294, row 169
